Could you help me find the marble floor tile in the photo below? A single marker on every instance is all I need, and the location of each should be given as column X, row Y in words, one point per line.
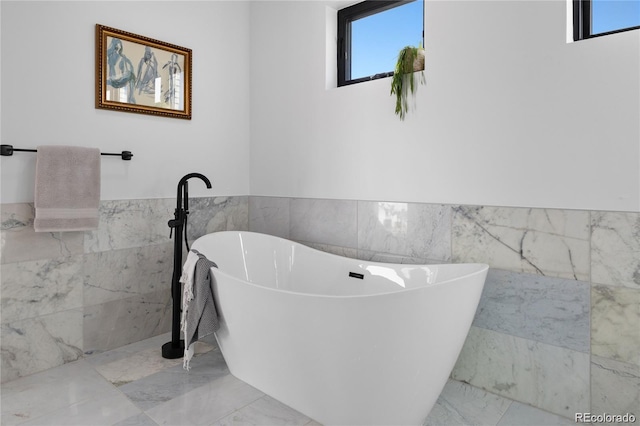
column 138, row 420
column 174, row 382
column 207, row 403
column 264, row 411
column 104, row 357
column 101, row 410
column 76, row 394
column 34, row 396
column 136, row 367
column 142, row 364
column 525, row 415
column 462, row 404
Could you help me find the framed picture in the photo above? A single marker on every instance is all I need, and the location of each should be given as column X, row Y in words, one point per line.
column 138, row 74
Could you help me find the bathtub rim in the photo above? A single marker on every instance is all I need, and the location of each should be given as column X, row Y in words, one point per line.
column 480, row 269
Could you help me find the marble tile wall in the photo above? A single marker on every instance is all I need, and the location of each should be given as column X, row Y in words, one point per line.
column 68, row 294
column 398, row 232
column 556, row 328
column 540, row 241
column 558, row 325
column 615, row 312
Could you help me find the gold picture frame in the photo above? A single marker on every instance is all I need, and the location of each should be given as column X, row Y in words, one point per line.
column 138, row 74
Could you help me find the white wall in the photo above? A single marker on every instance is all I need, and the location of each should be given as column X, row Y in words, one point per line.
column 511, row 114
column 48, row 86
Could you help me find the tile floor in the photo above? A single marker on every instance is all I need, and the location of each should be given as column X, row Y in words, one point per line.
column 134, row 385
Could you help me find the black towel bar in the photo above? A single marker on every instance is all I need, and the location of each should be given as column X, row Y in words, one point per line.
column 8, row 150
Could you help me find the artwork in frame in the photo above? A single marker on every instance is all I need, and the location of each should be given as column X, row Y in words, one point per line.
column 138, row 74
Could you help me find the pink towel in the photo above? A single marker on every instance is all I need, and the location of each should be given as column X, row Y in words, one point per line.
column 67, row 192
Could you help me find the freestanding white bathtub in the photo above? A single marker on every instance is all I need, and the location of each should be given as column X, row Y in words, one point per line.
column 343, row 341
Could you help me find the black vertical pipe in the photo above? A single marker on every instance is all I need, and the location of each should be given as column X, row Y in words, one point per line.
column 175, row 284
column 175, row 348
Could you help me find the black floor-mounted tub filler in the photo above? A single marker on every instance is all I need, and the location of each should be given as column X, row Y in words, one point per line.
column 175, row 348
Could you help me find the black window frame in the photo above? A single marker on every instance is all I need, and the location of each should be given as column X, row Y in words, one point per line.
column 582, row 29
column 352, row 13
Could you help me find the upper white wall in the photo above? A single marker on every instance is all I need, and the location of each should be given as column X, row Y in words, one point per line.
column 511, row 114
column 48, row 95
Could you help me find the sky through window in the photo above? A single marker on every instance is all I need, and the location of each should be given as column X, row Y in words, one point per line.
column 377, row 39
column 612, row 15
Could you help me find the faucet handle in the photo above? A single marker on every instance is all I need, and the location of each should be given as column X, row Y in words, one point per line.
column 186, row 196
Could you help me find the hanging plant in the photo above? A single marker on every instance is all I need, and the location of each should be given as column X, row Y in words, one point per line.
column 410, row 61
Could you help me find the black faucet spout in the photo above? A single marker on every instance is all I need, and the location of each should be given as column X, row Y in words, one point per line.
column 183, row 187
column 184, row 180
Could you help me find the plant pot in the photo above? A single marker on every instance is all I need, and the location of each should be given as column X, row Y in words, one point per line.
column 418, row 62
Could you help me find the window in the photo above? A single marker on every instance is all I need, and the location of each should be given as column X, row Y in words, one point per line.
column 593, row 18
column 370, row 35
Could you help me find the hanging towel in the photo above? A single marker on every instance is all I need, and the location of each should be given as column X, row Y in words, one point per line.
column 67, row 190
column 200, row 316
column 188, row 272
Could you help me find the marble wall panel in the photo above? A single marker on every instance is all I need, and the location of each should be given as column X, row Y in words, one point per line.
column 540, row 241
column 406, row 229
column 120, row 322
column 40, row 287
column 130, row 223
column 20, row 242
column 545, row 309
column 119, row 274
column 36, row 344
column 214, row 214
column 373, row 256
column 615, row 387
column 269, row 215
column 331, row 222
column 545, row 376
column 615, row 323
column 615, row 249
column 110, row 286
column 337, row 250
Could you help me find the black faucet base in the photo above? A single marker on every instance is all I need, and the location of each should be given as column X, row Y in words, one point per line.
column 173, row 351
